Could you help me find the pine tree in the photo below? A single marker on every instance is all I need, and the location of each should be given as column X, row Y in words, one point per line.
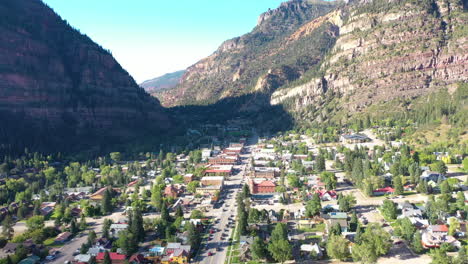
column 398, row 185
column 416, row 244
column 83, row 224
column 73, row 226
column 179, row 212
column 107, row 259
column 353, row 222
column 106, row 205
column 7, row 227
column 137, row 226
column 357, row 236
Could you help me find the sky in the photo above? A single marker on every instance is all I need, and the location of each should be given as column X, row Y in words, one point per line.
column 152, row 37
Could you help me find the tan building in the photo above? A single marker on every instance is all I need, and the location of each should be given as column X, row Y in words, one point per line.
column 212, row 180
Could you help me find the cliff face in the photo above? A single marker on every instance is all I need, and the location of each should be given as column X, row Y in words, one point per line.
column 258, row 57
column 357, row 53
column 54, row 79
column 387, row 50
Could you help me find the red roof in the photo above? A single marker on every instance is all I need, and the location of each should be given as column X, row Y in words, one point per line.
column 132, row 183
column 439, row 228
column 112, row 255
column 386, row 190
column 266, row 184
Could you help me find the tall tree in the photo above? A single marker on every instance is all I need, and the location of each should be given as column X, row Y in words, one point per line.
column 389, row 209
column 107, row 259
column 7, row 227
column 280, row 250
column 337, row 247
column 398, row 185
column 259, row 250
column 106, row 203
column 313, row 206
column 416, row 243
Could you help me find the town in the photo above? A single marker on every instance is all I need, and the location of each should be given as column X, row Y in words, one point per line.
column 242, row 199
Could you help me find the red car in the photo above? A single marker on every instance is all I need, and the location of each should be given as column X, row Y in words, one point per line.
column 210, row 254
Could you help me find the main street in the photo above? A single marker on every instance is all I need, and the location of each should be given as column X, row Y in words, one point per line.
column 217, row 245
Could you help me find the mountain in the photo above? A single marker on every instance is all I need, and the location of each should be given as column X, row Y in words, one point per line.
column 60, row 90
column 329, row 60
column 164, row 82
column 234, row 68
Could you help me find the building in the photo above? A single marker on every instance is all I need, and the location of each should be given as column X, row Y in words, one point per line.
column 337, row 217
column 265, row 172
column 206, row 154
column 115, row 229
column 354, row 138
column 261, row 186
column 116, row 258
column 171, row 191
column 224, row 160
column 212, row 180
column 435, row 235
column 63, row 237
column 180, row 256
column 219, row 170
column 188, row 178
column 383, row 191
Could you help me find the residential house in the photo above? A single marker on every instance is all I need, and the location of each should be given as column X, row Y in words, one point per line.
column 63, row 237
column 171, row 191
column 312, row 248
column 383, row 191
column 337, row 217
column 115, row 257
column 82, row 258
column 435, row 235
column 115, row 229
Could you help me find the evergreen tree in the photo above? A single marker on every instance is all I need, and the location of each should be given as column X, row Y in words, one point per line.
column 357, row 236
column 416, row 244
column 353, row 222
column 83, row 224
column 335, row 230
column 7, row 227
column 106, row 205
column 179, row 212
column 337, row 247
column 280, row 250
column 136, row 228
column 398, row 185
column 259, row 250
column 73, row 226
column 313, row 206
column 107, row 259
column 91, row 237
column 422, row 187
column 193, row 236
column 165, row 214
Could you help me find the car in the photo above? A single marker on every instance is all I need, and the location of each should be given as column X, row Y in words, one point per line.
column 50, row 257
column 210, row 254
column 218, row 249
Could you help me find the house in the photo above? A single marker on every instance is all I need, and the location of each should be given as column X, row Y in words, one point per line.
column 47, row 208
column 326, row 195
column 188, row 178
column 337, row 217
column 171, row 191
column 171, row 247
column 261, row 186
column 63, row 237
column 354, row 138
column 435, row 235
column 115, row 229
column 180, row 256
column 206, row 154
column 383, row 191
column 309, row 248
column 137, row 259
column 116, row 258
column 432, row 176
column 82, row 258
column 157, row 250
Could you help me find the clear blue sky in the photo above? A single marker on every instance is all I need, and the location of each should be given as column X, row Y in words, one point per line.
column 153, row 37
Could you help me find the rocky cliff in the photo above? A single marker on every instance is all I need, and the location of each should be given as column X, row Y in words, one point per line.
column 387, row 50
column 258, row 60
column 56, row 83
column 352, row 54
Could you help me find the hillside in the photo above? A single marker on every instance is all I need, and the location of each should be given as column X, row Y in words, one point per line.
column 322, row 61
column 60, row 90
column 164, row 82
column 236, row 66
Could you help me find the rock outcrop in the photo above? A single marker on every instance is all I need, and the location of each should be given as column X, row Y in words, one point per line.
column 56, row 83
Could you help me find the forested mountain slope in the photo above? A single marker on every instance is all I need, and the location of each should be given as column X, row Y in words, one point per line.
column 60, row 90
